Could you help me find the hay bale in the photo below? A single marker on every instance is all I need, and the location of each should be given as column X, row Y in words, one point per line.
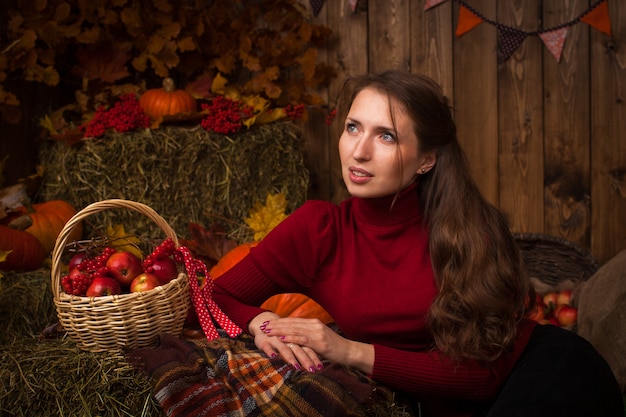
column 185, row 174
column 52, row 377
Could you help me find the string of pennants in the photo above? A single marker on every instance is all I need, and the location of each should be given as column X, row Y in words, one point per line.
column 510, row 38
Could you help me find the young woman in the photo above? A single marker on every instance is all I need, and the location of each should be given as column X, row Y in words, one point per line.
column 419, row 272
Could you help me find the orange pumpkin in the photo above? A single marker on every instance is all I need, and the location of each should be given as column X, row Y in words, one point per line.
column 26, row 252
column 48, row 221
column 166, row 101
column 296, row 305
column 231, row 258
column 285, row 305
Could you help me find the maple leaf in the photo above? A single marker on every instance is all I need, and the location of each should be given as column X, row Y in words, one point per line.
column 163, row 5
column 89, row 36
column 4, row 254
column 186, row 44
column 201, row 87
column 103, row 63
column 208, row 245
column 219, row 84
column 263, row 218
column 268, row 116
column 307, row 61
column 47, row 75
column 122, row 241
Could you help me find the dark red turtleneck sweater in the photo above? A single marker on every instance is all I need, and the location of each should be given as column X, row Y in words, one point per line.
column 367, row 263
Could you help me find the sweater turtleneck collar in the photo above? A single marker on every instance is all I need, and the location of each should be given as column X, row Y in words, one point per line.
column 384, row 211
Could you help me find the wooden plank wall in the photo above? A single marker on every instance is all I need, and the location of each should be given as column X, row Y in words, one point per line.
column 545, row 139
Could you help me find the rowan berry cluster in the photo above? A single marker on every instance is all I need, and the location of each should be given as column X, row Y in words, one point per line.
column 166, row 249
column 331, row 116
column 125, row 115
column 79, row 279
column 294, row 111
column 225, row 116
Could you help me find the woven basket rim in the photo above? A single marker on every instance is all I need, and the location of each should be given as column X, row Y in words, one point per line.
column 583, row 251
column 559, row 258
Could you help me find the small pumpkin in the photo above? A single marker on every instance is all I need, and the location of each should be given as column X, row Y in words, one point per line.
column 285, row 305
column 48, row 221
column 167, row 101
column 231, row 258
column 296, row 305
column 26, row 252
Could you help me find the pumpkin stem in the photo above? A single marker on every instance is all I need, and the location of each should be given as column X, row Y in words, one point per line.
column 168, row 85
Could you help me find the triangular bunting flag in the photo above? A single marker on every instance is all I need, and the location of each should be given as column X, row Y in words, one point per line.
column 316, row 5
column 467, row 21
column 554, row 41
column 432, row 3
column 353, row 4
column 509, row 39
column 598, row 17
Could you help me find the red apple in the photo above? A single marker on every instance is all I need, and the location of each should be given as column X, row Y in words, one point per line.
column 164, row 268
column 76, row 260
column 566, row 315
column 103, row 286
column 144, row 282
column 564, row 298
column 124, row 267
column 550, row 299
column 538, row 313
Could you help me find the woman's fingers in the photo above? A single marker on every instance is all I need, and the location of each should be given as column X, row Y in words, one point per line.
column 301, row 357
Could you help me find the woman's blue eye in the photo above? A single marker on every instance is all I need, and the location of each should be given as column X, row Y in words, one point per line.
column 350, row 127
column 388, row 137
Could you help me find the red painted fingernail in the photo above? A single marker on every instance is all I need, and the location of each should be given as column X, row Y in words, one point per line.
column 297, row 366
column 312, row 369
column 320, row 366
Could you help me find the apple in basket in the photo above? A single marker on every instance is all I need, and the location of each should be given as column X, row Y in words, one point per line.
column 164, row 268
column 103, row 286
column 124, row 267
column 145, row 281
column 76, row 260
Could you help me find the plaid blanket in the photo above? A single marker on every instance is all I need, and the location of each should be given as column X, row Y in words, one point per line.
column 231, row 377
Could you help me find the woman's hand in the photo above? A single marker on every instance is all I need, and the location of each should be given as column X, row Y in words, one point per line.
column 300, row 357
column 303, row 342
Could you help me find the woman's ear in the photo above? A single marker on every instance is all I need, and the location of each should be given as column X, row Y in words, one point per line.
column 428, row 162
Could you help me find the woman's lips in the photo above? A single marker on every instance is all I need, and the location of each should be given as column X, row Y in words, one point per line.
column 359, row 176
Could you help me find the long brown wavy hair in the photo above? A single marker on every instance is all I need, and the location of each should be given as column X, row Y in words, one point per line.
column 484, row 290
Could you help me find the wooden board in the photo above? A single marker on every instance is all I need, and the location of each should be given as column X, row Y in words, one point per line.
column 476, row 100
column 350, row 55
column 389, row 23
column 432, row 44
column 567, row 118
column 608, row 143
column 520, row 123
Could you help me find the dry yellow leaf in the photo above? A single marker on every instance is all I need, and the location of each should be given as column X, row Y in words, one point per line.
column 263, row 218
column 122, row 241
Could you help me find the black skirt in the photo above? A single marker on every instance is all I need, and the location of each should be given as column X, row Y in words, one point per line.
column 559, row 374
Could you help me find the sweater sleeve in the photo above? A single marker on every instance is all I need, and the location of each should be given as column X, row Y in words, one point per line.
column 286, row 260
column 430, row 373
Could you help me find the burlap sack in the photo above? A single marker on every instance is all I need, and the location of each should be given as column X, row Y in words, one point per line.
column 602, row 314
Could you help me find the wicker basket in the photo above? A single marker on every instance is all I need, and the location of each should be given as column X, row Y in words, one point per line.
column 553, row 259
column 110, row 323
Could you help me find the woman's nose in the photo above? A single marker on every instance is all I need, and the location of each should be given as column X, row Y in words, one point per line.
column 363, row 148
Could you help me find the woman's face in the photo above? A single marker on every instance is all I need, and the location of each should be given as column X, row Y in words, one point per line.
column 377, row 159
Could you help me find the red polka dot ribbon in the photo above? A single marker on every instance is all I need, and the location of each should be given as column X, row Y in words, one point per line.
column 206, row 309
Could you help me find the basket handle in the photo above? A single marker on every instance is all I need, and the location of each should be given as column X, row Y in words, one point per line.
column 93, row 208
